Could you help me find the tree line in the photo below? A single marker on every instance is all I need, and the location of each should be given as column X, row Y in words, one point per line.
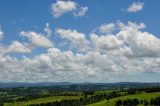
column 135, row 102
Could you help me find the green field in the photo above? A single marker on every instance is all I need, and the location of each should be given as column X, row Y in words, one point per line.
column 42, row 100
column 111, row 102
column 143, row 96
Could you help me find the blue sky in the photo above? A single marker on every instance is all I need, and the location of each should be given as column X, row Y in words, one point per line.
column 81, row 27
column 27, row 15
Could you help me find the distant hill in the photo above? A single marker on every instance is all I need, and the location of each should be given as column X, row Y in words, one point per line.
column 40, row 84
column 82, row 85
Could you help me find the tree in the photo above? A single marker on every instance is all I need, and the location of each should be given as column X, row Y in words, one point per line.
column 145, row 103
column 119, row 103
column 135, row 101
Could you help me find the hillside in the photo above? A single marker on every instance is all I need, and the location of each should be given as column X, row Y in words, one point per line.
column 111, row 102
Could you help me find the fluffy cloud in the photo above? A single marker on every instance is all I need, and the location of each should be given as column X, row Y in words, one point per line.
column 131, row 26
column 37, row 39
column 59, row 66
column 135, row 7
column 105, row 42
column 15, row 47
column 61, row 7
column 75, row 37
column 56, row 65
column 142, row 44
column 106, row 28
column 129, row 50
column 18, row 47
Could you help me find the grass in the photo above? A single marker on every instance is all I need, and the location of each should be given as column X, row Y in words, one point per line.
column 143, row 96
column 102, row 103
column 41, row 100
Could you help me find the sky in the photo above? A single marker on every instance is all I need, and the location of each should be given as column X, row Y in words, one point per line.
column 79, row 41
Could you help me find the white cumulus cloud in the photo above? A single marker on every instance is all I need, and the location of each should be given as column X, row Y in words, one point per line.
column 15, row 47
column 135, row 7
column 141, row 43
column 107, row 28
column 18, row 47
column 76, row 38
column 105, row 42
column 61, row 7
column 37, row 39
column 128, row 50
